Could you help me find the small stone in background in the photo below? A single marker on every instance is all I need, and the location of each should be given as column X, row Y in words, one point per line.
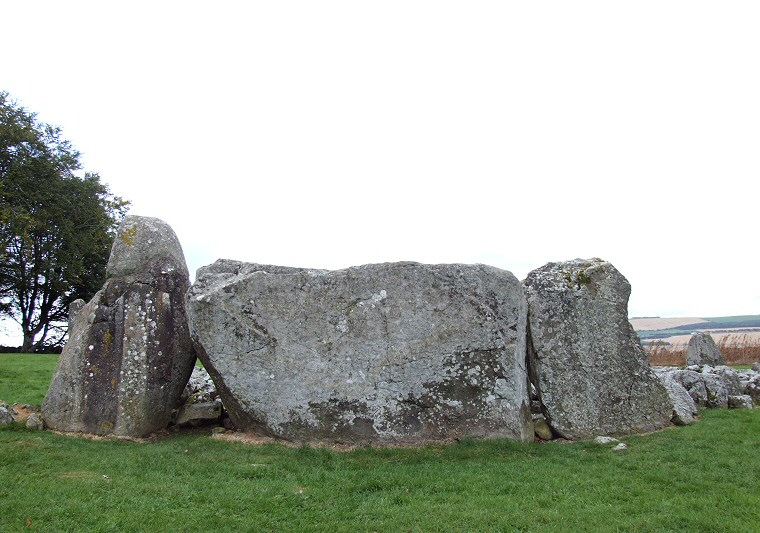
column 742, row 401
column 620, row 447
column 605, row 440
column 542, row 429
column 703, row 351
column 5, row 416
column 200, row 413
column 34, row 421
column 200, row 388
column 21, row 411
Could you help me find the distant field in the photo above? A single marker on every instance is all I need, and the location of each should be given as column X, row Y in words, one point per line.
column 657, row 323
column 666, row 339
column 682, row 327
column 718, row 337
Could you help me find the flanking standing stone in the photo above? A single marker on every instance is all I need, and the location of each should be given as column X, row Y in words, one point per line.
column 587, row 363
column 129, row 353
column 702, row 350
column 396, row 352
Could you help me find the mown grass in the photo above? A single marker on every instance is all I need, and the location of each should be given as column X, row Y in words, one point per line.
column 25, row 378
column 704, row 477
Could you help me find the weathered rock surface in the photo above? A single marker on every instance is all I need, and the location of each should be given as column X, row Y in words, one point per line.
column 34, row 421
column 199, row 413
column 5, row 415
column 397, row 352
column 586, row 361
column 684, row 408
column 731, row 377
column 716, row 387
column 740, row 402
column 129, row 353
column 752, row 389
column 702, row 350
column 693, row 383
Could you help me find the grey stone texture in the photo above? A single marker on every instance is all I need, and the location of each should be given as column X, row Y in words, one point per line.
column 742, row 401
column 5, row 415
column 702, row 350
column 199, row 413
column 587, row 363
column 34, row 421
column 684, row 408
column 129, row 353
column 706, row 388
column 395, row 352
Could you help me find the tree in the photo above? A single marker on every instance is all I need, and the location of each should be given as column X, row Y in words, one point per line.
column 56, row 228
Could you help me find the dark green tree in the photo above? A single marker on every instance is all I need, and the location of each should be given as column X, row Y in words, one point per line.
column 56, row 228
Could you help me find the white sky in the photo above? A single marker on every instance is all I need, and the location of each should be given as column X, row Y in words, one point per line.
column 329, row 134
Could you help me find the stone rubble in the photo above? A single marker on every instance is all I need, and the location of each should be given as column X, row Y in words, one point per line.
column 21, row 413
column 200, row 402
column 715, row 387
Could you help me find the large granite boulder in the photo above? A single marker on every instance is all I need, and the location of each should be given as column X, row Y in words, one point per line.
column 702, row 350
column 397, row 352
column 587, row 363
column 129, row 353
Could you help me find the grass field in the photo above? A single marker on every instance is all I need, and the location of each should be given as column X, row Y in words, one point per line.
column 704, row 477
column 25, row 378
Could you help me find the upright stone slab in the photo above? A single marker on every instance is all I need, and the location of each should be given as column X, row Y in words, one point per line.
column 398, row 352
column 586, row 361
column 702, row 350
column 129, row 353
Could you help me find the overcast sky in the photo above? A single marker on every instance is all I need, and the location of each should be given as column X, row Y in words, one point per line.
column 328, row 134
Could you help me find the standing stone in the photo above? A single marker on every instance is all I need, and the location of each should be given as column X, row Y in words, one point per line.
column 586, row 361
column 396, row 352
column 129, row 353
column 703, row 351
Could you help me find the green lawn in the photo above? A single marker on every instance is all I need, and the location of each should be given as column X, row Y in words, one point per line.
column 25, row 378
column 704, row 477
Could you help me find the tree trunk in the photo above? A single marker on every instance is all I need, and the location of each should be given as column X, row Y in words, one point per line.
column 28, row 345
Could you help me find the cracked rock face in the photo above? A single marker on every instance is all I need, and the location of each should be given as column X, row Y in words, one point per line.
column 587, row 363
column 396, row 352
column 129, row 353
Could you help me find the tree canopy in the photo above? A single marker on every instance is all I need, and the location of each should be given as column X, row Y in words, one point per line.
column 56, row 228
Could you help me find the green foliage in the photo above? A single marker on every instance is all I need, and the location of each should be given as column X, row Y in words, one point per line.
column 25, row 378
column 56, row 227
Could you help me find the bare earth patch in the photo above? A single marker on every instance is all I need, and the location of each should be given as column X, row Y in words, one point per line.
column 254, row 439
